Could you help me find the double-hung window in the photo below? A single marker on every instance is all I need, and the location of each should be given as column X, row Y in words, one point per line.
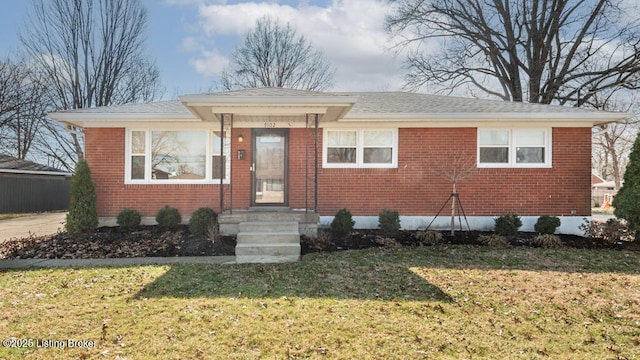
column 175, row 156
column 514, row 147
column 376, row 148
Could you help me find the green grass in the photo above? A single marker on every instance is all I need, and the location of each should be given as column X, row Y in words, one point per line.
column 446, row 302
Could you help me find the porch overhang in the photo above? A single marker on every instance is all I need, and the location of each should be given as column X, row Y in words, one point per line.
column 208, row 107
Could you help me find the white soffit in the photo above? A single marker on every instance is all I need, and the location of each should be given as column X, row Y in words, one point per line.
column 269, row 102
column 583, row 119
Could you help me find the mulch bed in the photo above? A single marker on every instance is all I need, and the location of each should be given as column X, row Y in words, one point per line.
column 149, row 241
column 362, row 239
column 110, row 242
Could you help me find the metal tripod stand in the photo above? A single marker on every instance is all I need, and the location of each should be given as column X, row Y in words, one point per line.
column 455, row 204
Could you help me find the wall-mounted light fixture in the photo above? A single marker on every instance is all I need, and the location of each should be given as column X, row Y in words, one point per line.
column 240, row 138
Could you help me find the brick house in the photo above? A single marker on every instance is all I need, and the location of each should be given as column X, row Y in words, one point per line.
column 271, row 150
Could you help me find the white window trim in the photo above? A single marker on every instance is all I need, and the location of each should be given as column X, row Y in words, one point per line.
column 512, row 150
column 359, row 164
column 147, row 158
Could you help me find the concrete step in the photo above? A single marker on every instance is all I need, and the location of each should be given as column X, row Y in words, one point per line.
column 230, row 222
column 268, row 238
column 267, row 250
column 268, row 241
column 268, row 227
column 261, row 259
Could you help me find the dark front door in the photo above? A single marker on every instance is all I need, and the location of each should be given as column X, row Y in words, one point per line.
column 269, row 170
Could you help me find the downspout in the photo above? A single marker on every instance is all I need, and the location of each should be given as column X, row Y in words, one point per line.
column 221, row 162
column 306, row 164
column 315, row 197
column 230, row 164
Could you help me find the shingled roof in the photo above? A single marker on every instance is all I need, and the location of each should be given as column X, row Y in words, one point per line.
column 15, row 165
column 361, row 105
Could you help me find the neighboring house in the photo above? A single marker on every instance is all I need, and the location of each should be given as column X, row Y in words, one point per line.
column 26, row 186
column 602, row 191
column 270, row 150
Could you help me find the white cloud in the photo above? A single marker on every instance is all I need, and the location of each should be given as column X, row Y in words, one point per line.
column 210, row 63
column 237, row 19
column 349, row 32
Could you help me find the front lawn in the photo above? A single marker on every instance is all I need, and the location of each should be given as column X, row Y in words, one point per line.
column 447, row 301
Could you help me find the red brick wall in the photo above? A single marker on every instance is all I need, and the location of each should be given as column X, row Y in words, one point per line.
column 416, row 187
column 105, row 154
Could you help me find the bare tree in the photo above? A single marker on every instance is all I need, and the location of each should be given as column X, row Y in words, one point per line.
column 456, row 166
column 611, row 148
column 561, row 51
column 92, row 52
column 612, row 142
column 22, row 108
column 10, row 87
column 273, row 55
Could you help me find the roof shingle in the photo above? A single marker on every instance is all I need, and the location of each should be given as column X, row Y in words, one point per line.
column 10, row 163
column 367, row 103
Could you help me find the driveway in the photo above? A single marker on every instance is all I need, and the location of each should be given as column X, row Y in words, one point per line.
column 602, row 216
column 40, row 224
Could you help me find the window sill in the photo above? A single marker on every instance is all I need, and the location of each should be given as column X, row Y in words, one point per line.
column 510, row 166
column 183, row 182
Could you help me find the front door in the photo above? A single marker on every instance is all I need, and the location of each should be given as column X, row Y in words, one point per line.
column 269, row 175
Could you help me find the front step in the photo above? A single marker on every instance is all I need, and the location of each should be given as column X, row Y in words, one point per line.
column 268, row 241
column 268, row 227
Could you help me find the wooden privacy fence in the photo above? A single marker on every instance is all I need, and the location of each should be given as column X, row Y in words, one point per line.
column 20, row 193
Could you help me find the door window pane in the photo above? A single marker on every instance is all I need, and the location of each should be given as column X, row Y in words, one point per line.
column 270, row 165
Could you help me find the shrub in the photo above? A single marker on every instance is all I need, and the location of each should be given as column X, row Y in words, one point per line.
column 342, row 224
column 547, row 224
column 508, row 225
column 83, row 215
column 626, row 203
column 388, row 242
column 548, row 241
column 429, row 237
column 168, row 218
column 611, row 231
column 494, row 240
column 202, row 220
column 389, row 221
column 128, row 219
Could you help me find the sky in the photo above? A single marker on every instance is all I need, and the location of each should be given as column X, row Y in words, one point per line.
column 192, row 40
